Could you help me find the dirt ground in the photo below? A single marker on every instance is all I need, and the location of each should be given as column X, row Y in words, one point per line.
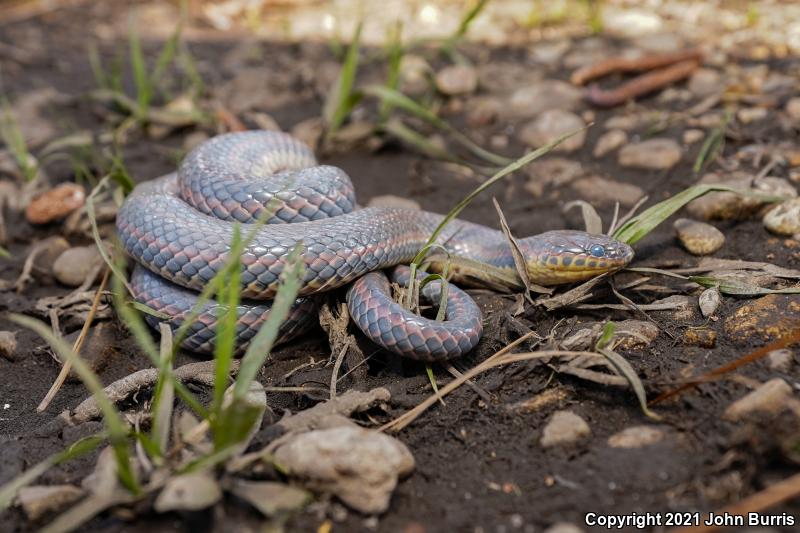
column 479, row 463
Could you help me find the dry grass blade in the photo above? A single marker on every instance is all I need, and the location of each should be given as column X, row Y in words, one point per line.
column 578, row 294
column 591, row 220
column 717, row 373
column 117, row 429
column 519, row 258
column 402, row 421
column 67, row 366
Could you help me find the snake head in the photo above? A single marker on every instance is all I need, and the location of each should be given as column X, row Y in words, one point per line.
column 567, row 256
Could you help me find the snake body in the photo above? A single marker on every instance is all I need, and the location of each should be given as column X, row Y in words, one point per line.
column 179, row 230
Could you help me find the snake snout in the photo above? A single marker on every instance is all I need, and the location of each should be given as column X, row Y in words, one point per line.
column 568, row 256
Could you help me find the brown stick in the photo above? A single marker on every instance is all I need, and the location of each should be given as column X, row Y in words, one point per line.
column 773, row 495
column 640, row 64
column 730, row 367
column 65, row 369
column 641, row 85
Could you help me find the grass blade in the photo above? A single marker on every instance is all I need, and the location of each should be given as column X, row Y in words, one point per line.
column 639, row 226
column 117, row 430
column 624, row 368
column 261, row 345
column 228, row 288
column 342, row 99
column 396, row 99
column 81, row 447
column 513, row 167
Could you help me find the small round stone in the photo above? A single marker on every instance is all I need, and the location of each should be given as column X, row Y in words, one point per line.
column 693, row 135
column 656, row 154
column 457, row 79
column 698, row 238
column 8, row 344
column 784, row 219
column 55, row 203
column 76, row 264
column 564, row 428
column 636, row 437
column 551, row 125
column 609, row 141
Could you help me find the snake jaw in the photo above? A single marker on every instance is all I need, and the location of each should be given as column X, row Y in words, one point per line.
column 568, row 256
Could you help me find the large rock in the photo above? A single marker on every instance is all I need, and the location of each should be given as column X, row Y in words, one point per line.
column 764, row 319
column 769, row 398
column 361, row 467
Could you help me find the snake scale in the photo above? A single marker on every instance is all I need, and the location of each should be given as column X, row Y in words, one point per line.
column 179, row 228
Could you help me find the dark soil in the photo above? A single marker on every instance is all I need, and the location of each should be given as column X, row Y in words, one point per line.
column 479, row 464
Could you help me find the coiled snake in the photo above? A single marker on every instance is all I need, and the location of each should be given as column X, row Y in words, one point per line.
column 179, row 228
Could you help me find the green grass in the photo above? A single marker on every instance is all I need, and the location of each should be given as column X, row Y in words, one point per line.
column 12, row 136
column 342, row 98
column 231, row 420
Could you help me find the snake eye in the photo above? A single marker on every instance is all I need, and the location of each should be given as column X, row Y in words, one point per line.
column 597, row 250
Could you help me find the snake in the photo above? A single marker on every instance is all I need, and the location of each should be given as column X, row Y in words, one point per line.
column 179, row 228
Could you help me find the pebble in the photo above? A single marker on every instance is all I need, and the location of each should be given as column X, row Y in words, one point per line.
column 98, row 348
column 698, row 238
column 527, row 102
column 552, row 171
column 361, row 467
column 76, row 264
column 657, row 154
column 705, row 82
column 602, row 191
column 764, row 319
column 8, row 344
column 457, row 79
column 551, row 125
column 610, row 141
column 784, row 219
column 793, row 108
column 728, row 205
column 659, row 42
column 629, row 22
column 55, row 203
column 746, row 115
column 703, row 337
column 636, row 437
column 51, row 248
column 38, row 500
column 390, row 200
column 483, row 111
column 635, row 334
column 691, row 136
column 781, row 359
column 414, row 70
column 188, row 492
column 709, row 301
column 564, row 427
column 769, row 398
